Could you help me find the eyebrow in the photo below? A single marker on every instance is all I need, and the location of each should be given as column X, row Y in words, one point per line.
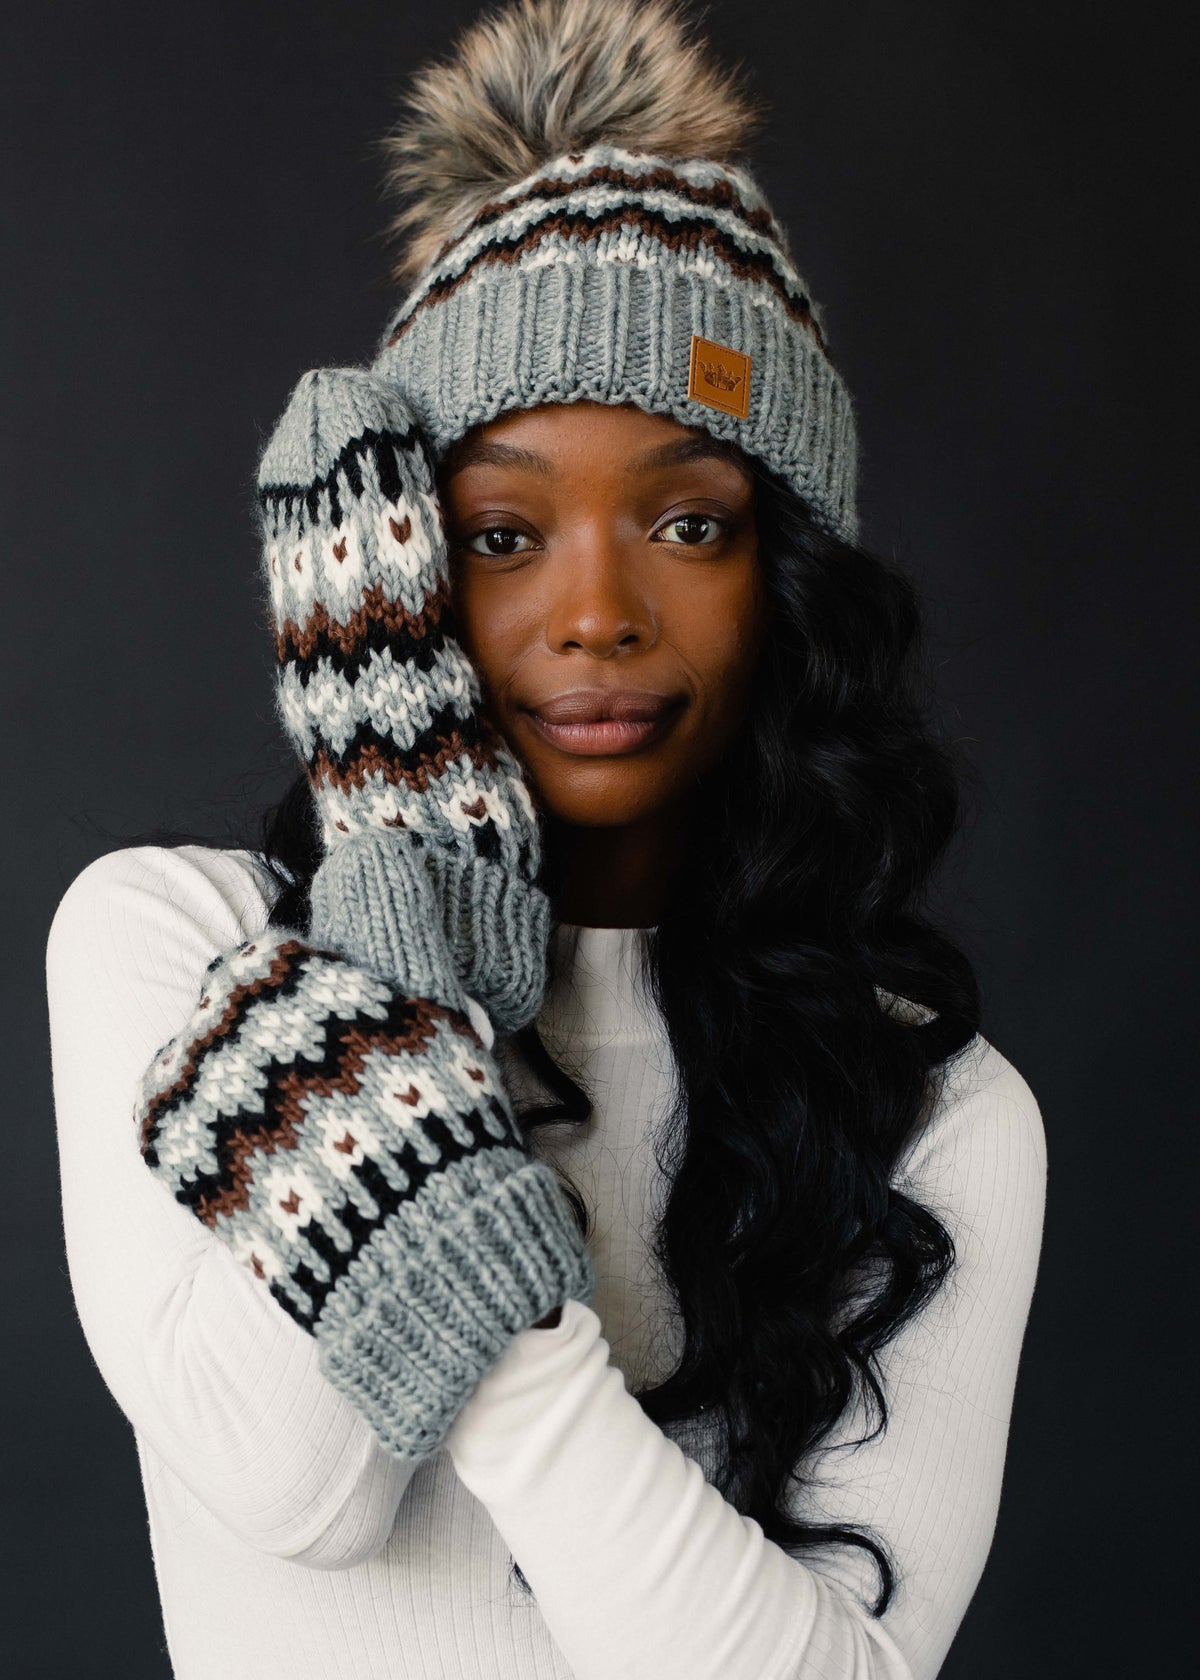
column 677, row 453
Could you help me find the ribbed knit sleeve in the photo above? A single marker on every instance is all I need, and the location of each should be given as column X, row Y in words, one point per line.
column 253, row 1463
column 223, row 1384
column 642, row 1569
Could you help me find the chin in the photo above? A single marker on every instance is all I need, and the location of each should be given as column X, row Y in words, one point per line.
column 605, row 804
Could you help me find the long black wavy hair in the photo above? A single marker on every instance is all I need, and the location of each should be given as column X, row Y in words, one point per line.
column 801, row 899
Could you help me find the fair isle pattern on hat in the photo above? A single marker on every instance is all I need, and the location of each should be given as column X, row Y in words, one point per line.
column 356, row 1150
column 591, row 277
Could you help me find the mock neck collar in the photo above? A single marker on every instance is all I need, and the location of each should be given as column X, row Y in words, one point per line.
column 598, row 988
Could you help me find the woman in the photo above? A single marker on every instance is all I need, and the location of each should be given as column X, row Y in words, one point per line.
column 617, row 789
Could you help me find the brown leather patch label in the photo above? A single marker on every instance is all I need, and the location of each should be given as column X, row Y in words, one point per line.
column 719, row 377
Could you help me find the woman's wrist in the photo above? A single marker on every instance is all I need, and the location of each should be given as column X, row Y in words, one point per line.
column 373, row 899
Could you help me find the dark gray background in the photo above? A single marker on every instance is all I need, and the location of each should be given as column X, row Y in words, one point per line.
column 988, row 204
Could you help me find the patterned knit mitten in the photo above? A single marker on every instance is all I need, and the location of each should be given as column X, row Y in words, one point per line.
column 356, row 1149
column 432, row 843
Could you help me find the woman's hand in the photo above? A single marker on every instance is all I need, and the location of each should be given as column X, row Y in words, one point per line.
column 432, row 842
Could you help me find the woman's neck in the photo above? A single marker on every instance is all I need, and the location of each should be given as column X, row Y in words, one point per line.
column 613, row 877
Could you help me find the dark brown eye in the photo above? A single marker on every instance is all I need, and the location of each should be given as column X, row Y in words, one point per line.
column 502, row 533
column 693, row 530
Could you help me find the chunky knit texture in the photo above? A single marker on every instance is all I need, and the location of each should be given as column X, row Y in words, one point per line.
column 287, row 1542
column 385, row 709
column 356, row 1149
column 592, row 277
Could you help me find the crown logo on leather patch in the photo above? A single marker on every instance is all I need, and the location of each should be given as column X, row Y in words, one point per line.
column 719, row 376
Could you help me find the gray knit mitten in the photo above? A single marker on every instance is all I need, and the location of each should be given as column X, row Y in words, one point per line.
column 331, row 1109
column 432, row 843
column 356, row 1149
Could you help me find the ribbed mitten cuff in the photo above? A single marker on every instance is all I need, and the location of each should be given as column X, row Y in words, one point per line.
column 375, row 899
column 436, row 922
column 429, row 1306
column 499, row 928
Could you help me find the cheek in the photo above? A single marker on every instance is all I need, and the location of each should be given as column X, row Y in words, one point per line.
column 481, row 623
column 725, row 630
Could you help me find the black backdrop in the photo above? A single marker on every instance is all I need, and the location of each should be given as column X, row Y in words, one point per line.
column 988, row 204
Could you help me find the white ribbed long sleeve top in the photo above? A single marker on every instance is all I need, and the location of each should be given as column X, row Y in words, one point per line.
column 289, row 1546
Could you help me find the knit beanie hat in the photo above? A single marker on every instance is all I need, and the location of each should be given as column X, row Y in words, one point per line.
column 576, row 229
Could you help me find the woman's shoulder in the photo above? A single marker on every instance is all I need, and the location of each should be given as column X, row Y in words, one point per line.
column 981, row 1154
column 977, row 1086
column 981, row 1081
column 165, row 900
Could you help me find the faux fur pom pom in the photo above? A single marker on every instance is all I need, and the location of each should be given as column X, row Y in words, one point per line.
column 540, row 77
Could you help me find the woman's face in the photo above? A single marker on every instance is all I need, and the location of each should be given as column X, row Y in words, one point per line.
column 600, row 547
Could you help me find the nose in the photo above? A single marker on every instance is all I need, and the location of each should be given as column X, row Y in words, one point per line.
column 598, row 601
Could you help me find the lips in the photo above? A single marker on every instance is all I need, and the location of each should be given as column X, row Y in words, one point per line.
column 594, row 705
column 605, row 722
